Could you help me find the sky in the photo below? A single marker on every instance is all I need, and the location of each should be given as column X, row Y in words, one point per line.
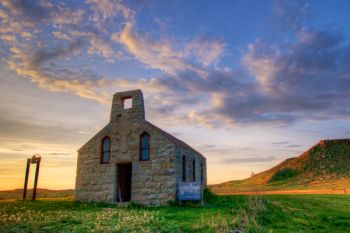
column 247, row 83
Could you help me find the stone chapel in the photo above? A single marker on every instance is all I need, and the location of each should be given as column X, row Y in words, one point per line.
column 131, row 159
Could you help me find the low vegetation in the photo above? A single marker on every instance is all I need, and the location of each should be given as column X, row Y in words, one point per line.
column 283, row 174
column 269, row 213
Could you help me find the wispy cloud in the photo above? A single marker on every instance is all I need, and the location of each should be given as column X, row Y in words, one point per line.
column 28, row 9
column 156, row 54
column 105, row 9
column 280, row 143
column 294, row 146
column 64, row 16
column 207, row 52
column 247, row 160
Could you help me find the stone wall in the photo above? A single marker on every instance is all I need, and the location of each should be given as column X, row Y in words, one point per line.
column 94, row 181
column 190, row 156
column 153, row 181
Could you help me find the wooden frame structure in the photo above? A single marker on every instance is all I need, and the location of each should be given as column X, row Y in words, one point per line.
column 35, row 159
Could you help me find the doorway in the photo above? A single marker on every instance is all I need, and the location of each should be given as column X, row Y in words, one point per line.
column 124, row 172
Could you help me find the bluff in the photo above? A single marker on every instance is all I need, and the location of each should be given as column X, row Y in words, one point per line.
column 325, row 165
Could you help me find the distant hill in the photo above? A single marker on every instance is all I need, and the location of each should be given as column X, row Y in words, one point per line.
column 324, row 166
column 40, row 193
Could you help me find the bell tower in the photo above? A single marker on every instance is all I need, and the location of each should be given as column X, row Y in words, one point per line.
column 128, row 104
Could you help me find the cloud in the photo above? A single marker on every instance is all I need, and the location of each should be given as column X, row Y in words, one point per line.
column 155, row 54
column 8, row 38
column 208, row 146
column 294, row 146
column 31, row 10
column 105, row 9
column 44, row 131
column 50, row 79
column 103, row 48
column 48, row 76
column 45, row 55
column 280, row 143
column 291, row 14
column 208, row 52
column 305, row 78
column 58, row 153
column 247, row 160
column 61, row 35
column 11, row 29
column 40, row 59
column 3, row 15
column 66, row 16
column 295, row 80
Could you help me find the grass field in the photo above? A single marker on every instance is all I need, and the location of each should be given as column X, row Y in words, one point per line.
column 269, row 213
column 41, row 193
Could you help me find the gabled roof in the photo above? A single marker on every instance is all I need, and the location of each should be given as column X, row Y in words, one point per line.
column 173, row 139
column 165, row 134
column 93, row 137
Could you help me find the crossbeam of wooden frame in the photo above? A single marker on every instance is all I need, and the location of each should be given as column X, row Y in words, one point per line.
column 35, row 159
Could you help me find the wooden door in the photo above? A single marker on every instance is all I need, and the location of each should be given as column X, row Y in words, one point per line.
column 124, row 173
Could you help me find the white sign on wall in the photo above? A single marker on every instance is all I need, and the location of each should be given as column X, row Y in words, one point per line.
column 190, row 191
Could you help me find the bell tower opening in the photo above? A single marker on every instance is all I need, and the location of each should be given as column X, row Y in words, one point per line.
column 127, row 102
column 128, row 105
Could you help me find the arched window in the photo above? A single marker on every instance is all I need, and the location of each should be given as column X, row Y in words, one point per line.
column 201, row 173
column 144, row 147
column 194, row 170
column 105, row 150
column 183, row 168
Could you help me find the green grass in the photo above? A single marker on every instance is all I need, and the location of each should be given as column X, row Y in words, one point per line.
column 307, row 213
column 274, row 213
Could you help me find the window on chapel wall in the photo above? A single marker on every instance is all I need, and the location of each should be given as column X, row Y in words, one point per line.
column 106, row 150
column 202, row 173
column 194, row 170
column 183, row 168
column 144, row 147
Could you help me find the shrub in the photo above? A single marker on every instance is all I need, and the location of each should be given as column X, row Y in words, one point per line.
column 209, row 196
column 283, row 174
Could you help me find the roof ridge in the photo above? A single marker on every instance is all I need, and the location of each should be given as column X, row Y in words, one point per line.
column 174, row 139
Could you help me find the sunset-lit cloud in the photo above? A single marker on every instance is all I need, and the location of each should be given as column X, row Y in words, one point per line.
column 280, row 71
column 156, row 54
column 107, row 9
column 65, row 16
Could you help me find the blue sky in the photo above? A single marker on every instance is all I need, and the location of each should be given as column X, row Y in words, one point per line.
column 247, row 83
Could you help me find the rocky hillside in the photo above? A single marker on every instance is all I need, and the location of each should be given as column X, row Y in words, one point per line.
column 325, row 165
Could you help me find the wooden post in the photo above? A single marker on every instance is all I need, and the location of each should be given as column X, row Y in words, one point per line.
column 26, row 180
column 36, row 178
